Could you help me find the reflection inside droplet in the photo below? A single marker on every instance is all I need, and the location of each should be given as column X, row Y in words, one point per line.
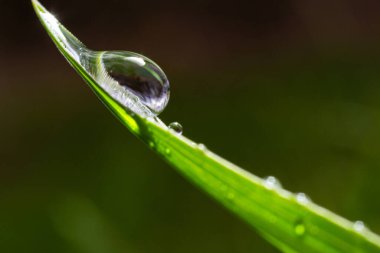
column 126, row 75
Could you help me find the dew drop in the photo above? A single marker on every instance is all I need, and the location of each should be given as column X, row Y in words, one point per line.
column 299, row 228
column 129, row 78
column 151, row 144
column 359, row 226
column 230, row 196
column 138, row 75
column 202, row 147
column 223, row 188
column 302, row 198
column 168, row 151
column 271, row 182
column 176, row 127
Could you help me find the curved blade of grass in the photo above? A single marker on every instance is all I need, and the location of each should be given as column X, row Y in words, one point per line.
column 291, row 223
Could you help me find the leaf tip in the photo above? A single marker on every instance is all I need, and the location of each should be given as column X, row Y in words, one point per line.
column 38, row 7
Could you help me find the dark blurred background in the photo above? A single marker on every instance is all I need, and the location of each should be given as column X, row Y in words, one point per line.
column 286, row 88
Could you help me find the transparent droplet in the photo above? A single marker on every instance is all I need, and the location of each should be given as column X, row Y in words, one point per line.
column 176, row 127
column 130, row 78
column 302, row 198
column 299, row 228
column 168, row 151
column 223, row 188
column 202, row 147
column 273, row 219
column 271, row 182
column 359, row 226
column 151, row 144
column 230, row 196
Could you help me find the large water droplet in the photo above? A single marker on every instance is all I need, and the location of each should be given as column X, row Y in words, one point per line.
column 176, row 127
column 128, row 76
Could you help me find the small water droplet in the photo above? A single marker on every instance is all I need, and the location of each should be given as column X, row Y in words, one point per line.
column 299, row 228
column 151, row 144
column 202, row 147
column 230, row 195
column 273, row 219
column 302, row 198
column 168, row 151
column 176, row 127
column 271, row 182
column 359, row 226
column 223, row 188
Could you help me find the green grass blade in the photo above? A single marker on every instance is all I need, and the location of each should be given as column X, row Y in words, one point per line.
column 291, row 223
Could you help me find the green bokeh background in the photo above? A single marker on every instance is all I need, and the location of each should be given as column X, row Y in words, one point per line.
column 283, row 88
